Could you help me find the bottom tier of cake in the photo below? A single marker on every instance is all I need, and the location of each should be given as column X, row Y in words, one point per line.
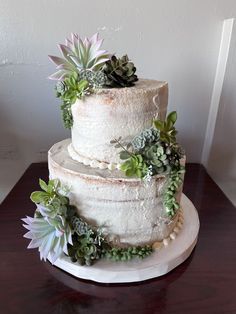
column 157, row 264
column 129, row 211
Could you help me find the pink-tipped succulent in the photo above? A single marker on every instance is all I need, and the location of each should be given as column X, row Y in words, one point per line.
column 79, row 55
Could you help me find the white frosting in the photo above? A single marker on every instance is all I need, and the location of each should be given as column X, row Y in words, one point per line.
column 124, row 207
column 173, row 235
column 111, row 113
column 90, row 162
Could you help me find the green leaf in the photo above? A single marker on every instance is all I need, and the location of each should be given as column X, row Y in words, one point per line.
column 36, row 197
column 82, row 84
column 129, row 172
column 43, row 185
column 158, row 124
column 169, row 124
column 124, row 155
column 139, row 173
column 172, row 116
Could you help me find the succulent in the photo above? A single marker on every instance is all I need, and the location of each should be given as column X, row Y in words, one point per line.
column 156, row 156
column 88, row 243
column 69, row 90
column 95, row 79
column 60, row 88
column 49, row 201
column 49, row 235
column 79, row 55
column 48, row 229
column 174, row 181
column 126, row 254
column 134, row 166
column 120, row 72
column 166, row 128
column 147, row 136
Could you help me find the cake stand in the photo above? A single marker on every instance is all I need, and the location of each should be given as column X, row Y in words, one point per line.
column 157, row 264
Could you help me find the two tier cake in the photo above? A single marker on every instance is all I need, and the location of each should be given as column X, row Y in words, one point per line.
column 115, row 186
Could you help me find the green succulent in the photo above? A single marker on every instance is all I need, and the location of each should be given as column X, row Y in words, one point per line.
column 156, row 156
column 49, row 201
column 84, row 250
column 174, row 181
column 69, row 90
column 74, row 88
column 167, row 130
column 87, row 242
column 95, row 79
column 126, row 254
column 134, row 166
column 120, row 72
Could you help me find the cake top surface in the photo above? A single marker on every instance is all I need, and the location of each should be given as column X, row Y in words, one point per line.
column 142, row 85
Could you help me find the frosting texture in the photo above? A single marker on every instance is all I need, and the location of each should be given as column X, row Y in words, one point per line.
column 125, row 208
column 111, row 113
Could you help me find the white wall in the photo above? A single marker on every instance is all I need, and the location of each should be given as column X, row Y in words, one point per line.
column 176, row 40
column 222, row 159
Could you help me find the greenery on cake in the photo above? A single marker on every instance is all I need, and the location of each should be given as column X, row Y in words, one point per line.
column 48, row 229
column 155, row 151
column 85, row 68
column 56, row 228
column 120, row 72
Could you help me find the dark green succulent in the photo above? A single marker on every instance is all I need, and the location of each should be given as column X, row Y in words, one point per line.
column 88, row 243
column 120, row 72
column 156, row 156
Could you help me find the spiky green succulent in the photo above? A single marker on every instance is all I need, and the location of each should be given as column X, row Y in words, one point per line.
column 120, row 72
column 79, row 55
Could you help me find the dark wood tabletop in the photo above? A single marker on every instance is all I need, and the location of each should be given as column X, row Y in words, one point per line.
column 204, row 283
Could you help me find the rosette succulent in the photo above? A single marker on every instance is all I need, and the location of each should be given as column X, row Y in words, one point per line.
column 79, row 55
column 95, row 79
column 120, row 72
column 156, row 156
column 49, row 230
column 49, row 235
column 147, row 136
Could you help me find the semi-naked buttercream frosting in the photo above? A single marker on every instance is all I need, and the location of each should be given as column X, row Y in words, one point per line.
column 129, row 210
column 112, row 113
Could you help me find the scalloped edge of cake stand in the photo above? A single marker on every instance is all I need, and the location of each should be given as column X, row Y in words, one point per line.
column 157, row 264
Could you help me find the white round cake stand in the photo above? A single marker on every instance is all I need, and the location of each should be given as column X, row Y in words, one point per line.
column 157, row 264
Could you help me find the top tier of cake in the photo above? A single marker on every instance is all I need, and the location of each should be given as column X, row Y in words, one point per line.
column 113, row 113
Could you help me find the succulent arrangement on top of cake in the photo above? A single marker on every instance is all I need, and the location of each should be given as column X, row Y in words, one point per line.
column 85, row 68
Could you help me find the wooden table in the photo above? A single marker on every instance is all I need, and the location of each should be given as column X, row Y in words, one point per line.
column 205, row 283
